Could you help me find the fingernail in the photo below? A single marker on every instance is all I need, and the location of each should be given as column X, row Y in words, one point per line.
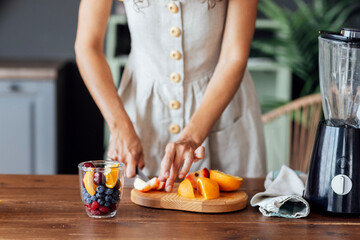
column 181, row 175
column 168, row 188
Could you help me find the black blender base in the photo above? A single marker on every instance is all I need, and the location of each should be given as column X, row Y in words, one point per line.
column 317, row 210
column 334, row 174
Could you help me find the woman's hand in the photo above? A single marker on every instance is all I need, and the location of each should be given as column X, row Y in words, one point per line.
column 181, row 153
column 224, row 83
column 125, row 147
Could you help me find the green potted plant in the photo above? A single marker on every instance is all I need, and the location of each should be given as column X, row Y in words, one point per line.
column 294, row 42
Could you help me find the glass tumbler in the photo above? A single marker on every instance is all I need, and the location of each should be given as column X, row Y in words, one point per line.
column 101, row 187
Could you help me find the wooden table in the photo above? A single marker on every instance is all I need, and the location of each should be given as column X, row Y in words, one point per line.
column 49, row 207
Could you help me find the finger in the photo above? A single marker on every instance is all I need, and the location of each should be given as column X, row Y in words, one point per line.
column 120, row 158
column 170, row 181
column 189, row 158
column 174, row 172
column 167, row 161
column 112, row 156
column 131, row 165
column 199, row 153
column 141, row 162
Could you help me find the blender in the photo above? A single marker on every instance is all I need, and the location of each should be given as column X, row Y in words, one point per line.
column 333, row 183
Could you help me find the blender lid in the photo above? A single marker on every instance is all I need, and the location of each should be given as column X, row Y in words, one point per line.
column 346, row 35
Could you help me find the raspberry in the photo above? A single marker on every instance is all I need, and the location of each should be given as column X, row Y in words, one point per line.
column 95, row 212
column 104, row 209
column 89, row 165
column 95, row 205
column 113, row 208
column 88, row 206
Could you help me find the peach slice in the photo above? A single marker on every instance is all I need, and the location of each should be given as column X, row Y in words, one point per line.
column 111, row 175
column 154, row 183
column 186, row 189
column 141, row 185
column 208, row 188
column 195, row 175
column 161, row 186
column 226, row 182
column 89, row 183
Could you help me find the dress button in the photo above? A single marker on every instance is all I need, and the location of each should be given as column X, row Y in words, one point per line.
column 174, row 104
column 174, row 128
column 175, row 77
column 175, row 31
column 173, row 8
column 175, row 55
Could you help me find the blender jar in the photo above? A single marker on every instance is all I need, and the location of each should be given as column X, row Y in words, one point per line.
column 339, row 65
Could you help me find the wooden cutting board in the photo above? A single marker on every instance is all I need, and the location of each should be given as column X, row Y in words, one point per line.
column 227, row 202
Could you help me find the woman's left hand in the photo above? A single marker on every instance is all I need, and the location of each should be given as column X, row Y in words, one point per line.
column 183, row 152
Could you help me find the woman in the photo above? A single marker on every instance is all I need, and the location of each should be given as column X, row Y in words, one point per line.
column 185, row 86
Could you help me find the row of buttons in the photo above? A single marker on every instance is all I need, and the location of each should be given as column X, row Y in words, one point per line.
column 175, row 77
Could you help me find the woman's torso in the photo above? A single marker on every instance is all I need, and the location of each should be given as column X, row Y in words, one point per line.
column 161, row 90
column 200, row 36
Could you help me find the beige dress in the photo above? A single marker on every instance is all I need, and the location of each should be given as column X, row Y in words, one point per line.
column 175, row 48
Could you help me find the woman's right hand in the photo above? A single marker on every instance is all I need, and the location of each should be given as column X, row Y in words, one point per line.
column 125, row 147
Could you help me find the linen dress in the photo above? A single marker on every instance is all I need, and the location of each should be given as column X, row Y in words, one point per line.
column 175, row 46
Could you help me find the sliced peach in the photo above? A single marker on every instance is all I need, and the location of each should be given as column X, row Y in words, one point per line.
column 226, row 182
column 154, row 183
column 111, row 175
column 195, row 175
column 161, row 186
column 208, row 188
column 89, row 183
column 141, row 185
column 186, row 189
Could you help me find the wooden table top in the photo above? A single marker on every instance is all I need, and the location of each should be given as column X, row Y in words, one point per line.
column 49, row 207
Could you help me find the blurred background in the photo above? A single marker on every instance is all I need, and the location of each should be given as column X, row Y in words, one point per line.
column 48, row 121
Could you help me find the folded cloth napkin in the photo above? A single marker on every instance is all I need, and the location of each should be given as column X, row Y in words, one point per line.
column 283, row 195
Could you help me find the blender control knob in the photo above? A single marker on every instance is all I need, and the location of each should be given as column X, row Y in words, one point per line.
column 341, row 184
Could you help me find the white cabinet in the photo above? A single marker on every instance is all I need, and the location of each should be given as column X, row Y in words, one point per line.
column 27, row 125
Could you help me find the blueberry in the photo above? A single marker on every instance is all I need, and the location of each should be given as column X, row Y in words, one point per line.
column 99, row 195
column 114, row 201
column 93, row 198
column 101, row 202
column 87, row 200
column 116, row 193
column 108, row 198
column 107, row 204
column 84, row 191
column 116, row 197
column 86, row 195
column 100, row 189
column 109, row 191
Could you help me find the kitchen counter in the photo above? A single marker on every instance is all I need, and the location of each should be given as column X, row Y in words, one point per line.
column 49, row 207
column 29, row 70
